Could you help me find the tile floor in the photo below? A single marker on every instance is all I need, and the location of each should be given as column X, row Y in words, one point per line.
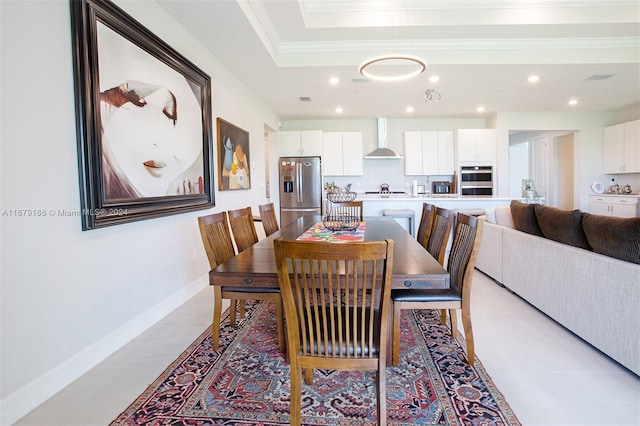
column 548, row 376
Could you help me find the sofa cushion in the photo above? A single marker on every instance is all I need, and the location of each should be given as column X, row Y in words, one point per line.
column 613, row 236
column 524, row 218
column 503, row 216
column 563, row 226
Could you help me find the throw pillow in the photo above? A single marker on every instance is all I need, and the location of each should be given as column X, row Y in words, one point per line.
column 613, row 236
column 524, row 218
column 563, row 226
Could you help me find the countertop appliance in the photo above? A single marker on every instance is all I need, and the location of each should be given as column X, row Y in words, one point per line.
column 441, row 187
column 300, row 188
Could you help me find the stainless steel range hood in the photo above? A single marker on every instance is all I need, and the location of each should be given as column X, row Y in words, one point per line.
column 382, row 152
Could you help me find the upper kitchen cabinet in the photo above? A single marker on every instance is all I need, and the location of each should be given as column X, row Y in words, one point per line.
column 428, row 153
column 342, row 154
column 622, row 148
column 305, row 143
column 476, row 145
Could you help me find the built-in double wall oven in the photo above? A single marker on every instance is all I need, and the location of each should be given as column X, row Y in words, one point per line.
column 476, row 180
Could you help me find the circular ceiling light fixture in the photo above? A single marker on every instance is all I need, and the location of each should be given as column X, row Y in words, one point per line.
column 392, row 67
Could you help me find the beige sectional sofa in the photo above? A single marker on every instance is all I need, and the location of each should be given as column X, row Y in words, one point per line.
column 594, row 295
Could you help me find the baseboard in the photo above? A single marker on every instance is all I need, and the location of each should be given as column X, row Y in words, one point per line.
column 21, row 402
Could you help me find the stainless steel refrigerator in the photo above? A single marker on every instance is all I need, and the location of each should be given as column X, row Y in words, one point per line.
column 300, row 188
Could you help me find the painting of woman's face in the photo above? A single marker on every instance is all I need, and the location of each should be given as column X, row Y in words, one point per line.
column 152, row 132
column 144, row 121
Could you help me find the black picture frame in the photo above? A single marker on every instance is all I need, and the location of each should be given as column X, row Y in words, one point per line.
column 234, row 156
column 143, row 121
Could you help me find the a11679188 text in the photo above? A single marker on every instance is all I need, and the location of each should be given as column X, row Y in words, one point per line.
column 63, row 212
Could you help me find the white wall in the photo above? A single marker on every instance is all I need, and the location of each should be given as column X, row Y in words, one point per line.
column 70, row 298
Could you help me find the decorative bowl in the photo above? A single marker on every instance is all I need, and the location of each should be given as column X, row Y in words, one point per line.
column 341, row 223
column 341, row 197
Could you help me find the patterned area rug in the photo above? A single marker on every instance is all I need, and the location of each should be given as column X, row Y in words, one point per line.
column 247, row 382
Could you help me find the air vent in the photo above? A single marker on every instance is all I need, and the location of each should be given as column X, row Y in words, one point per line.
column 305, row 99
column 359, row 80
column 600, row 76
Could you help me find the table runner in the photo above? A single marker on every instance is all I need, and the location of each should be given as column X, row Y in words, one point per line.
column 319, row 233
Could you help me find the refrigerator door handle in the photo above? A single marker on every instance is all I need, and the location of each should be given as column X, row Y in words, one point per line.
column 299, row 193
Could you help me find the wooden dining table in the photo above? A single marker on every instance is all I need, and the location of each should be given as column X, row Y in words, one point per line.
column 413, row 266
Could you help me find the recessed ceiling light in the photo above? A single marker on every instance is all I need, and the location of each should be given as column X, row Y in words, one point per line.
column 480, row 109
column 434, row 78
column 533, row 79
column 410, row 109
column 573, row 102
column 339, row 110
column 334, row 80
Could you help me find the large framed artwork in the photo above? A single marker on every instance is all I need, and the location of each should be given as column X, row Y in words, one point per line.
column 143, row 114
column 234, row 157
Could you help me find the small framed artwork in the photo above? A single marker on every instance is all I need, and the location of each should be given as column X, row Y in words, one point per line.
column 234, row 157
column 143, row 116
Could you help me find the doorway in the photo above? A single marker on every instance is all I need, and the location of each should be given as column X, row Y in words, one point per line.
column 547, row 158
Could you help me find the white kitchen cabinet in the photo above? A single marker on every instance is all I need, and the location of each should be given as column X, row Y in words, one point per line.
column 305, row 143
column 476, row 145
column 615, row 205
column 622, row 148
column 428, row 153
column 342, row 154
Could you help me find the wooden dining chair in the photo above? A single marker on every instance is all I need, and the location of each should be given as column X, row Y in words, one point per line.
column 244, row 234
column 462, row 259
column 437, row 238
column 350, row 209
column 426, row 221
column 336, row 303
column 439, row 233
column 216, row 238
column 268, row 218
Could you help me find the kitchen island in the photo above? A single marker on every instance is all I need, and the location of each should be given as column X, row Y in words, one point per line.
column 373, row 204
